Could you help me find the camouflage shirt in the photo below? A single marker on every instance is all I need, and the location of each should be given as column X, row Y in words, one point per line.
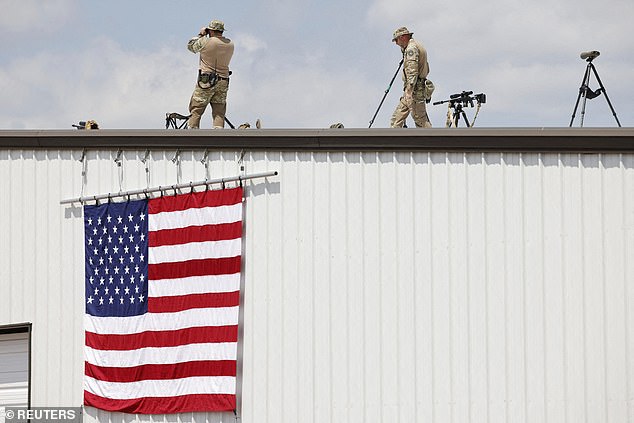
column 415, row 64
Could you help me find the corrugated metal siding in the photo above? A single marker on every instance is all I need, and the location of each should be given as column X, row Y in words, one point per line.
column 458, row 287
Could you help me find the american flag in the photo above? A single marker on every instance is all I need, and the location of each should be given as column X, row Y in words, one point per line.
column 162, row 303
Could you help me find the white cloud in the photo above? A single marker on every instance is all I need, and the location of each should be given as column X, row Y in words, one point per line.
column 248, row 43
column 120, row 90
column 35, row 16
column 307, row 97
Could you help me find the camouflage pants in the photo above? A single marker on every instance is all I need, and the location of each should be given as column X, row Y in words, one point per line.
column 201, row 97
column 417, row 108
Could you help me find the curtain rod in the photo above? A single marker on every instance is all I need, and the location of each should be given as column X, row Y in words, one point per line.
column 167, row 188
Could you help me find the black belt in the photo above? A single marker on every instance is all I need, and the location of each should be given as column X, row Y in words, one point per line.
column 200, row 72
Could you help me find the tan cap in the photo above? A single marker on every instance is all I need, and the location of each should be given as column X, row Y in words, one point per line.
column 216, row 26
column 400, row 31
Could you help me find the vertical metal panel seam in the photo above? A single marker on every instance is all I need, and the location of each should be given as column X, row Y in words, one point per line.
column 29, row 271
column 431, row 282
column 397, row 224
column 28, row 303
column 583, row 290
column 469, row 282
column 29, row 179
column 279, row 159
column 626, row 277
column 248, row 366
column 264, row 262
column 346, row 272
column 45, row 236
column 524, row 292
column 486, row 285
column 450, row 286
column 10, row 200
column 22, row 265
column 331, row 345
column 506, row 264
column 381, row 276
column 604, row 289
column 363, row 276
column 54, row 258
column 78, row 165
column 564, row 292
column 542, row 166
column 255, row 339
column 415, row 280
column 49, row 276
column 297, row 270
column 562, row 259
column 312, row 282
column 74, row 288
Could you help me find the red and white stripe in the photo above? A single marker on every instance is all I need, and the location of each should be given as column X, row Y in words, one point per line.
column 181, row 355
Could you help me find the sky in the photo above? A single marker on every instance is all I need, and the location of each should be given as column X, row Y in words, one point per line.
column 309, row 64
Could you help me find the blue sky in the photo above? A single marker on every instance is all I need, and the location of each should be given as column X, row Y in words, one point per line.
column 308, row 64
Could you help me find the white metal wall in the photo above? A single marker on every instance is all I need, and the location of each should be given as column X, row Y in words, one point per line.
column 401, row 287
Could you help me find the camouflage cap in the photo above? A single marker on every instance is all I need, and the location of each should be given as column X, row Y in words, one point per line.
column 401, row 31
column 216, row 25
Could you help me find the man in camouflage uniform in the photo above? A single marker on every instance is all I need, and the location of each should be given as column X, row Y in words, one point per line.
column 415, row 71
column 213, row 74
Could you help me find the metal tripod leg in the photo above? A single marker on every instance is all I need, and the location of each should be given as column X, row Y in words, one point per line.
column 582, row 91
column 602, row 88
column 464, row 116
column 460, row 112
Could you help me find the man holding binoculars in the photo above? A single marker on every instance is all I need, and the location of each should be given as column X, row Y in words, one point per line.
column 212, row 84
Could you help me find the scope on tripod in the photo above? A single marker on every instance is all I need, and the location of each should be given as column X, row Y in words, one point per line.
column 586, row 92
column 589, row 55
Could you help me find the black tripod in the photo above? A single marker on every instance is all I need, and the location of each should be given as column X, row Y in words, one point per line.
column 588, row 93
column 458, row 111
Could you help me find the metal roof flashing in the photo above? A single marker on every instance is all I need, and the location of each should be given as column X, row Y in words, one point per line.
column 580, row 140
